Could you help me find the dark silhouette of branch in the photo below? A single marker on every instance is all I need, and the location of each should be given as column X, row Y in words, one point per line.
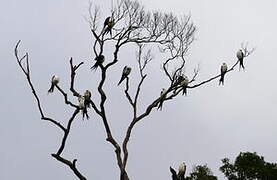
column 127, row 93
column 72, row 165
column 61, row 148
column 173, row 174
column 102, row 111
column 26, row 71
column 57, row 155
column 146, row 59
column 66, row 101
column 73, row 69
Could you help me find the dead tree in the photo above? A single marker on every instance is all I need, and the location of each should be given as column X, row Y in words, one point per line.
column 129, row 23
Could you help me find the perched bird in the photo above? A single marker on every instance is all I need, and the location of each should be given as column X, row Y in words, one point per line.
column 182, row 171
column 163, row 96
column 87, row 96
column 99, row 60
column 240, row 56
column 177, row 82
column 223, row 71
column 107, row 20
column 179, row 79
column 83, row 107
column 126, row 71
column 54, row 81
column 184, row 84
column 108, row 25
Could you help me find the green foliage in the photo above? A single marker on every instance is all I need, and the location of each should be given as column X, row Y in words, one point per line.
column 201, row 173
column 249, row 166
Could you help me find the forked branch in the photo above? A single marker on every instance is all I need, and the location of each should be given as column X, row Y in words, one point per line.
column 24, row 64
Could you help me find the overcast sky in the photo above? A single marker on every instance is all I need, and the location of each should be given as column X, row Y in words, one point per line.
column 209, row 124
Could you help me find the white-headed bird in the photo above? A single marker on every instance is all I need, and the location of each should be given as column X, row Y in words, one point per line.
column 223, row 70
column 83, row 107
column 126, row 71
column 184, row 84
column 182, row 171
column 99, row 60
column 162, row 98
column 240, row 56
column 54, row 81
column 87, row 96
column 108, row 25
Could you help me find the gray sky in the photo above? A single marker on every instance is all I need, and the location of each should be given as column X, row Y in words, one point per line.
column 209, row 124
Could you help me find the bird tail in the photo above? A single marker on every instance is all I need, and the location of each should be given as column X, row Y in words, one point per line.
column 241, row 65
column 221, row 80
column 106, row 30
column 51, row 88
column 95, row 66
column 120, row 81
column 87, row 104
column 185, row 90
column 85, row 113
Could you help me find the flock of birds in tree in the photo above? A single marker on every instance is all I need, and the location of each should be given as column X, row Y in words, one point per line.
column 182, row 80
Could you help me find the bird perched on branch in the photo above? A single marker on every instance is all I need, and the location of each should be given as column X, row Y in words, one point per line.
column 83, row 107
column 184, row 84
column 87, row 96
column 179, row 79
column 163, row 97
column 182, row 171
column 107, row 20
column 99, row 60
column 177, row 82
column 54, row 81
column 108, row 25
column 223, row 71
column 126, row 71
column 240, row 56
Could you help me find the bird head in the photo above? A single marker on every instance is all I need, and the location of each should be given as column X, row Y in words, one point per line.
column 182, row 168
column 127, row 70
column 163, row 91
column 185, row 81
column 55, row 80
column 87, row 94
column 241, row 51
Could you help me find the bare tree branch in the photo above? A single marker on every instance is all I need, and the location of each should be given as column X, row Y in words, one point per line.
column 73, row 69
column 61, row 148
column 72, row 165
column 147, row 58
column 127, row 93
column 26, row 71
column 65, row 97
